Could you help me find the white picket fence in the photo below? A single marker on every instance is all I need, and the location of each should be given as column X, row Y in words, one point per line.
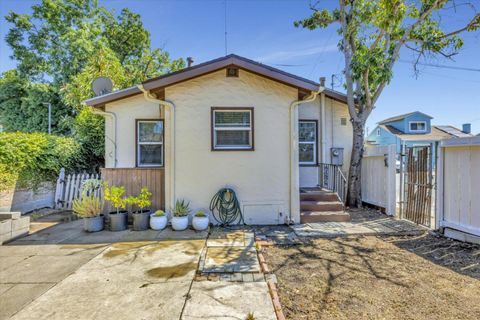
column 70, row 188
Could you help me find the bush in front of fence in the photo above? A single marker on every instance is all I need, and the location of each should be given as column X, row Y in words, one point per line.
column 28, row 159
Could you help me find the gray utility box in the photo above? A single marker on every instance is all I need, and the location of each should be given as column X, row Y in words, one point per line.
column 336, row 155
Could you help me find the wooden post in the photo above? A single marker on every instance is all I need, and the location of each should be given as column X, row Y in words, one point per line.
column 439, row 214
column 391, row 207
column 59, row 191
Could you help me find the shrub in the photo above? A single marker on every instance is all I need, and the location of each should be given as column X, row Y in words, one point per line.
column 88, row 207
column 114, row 194
column 27, row 159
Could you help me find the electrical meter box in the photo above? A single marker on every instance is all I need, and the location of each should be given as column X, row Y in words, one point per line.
column 336, row 156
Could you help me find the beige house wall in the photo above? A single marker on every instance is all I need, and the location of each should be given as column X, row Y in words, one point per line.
column 126, row 111
column 336, row 135
column 261, row 177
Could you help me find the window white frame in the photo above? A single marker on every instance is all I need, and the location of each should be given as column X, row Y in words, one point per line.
column 417, row 122
column 215, row 129
column 314, row 143
column 140, row 143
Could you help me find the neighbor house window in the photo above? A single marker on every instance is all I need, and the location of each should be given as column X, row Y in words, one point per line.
column 379, row 132
column 307, row 142
column 418, row 126
column 149, row 143
column 232, row 128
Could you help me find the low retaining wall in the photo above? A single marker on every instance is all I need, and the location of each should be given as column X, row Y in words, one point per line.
column 13, row 225
column 25, row 200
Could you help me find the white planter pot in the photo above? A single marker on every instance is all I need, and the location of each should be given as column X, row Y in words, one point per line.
column 158, row 223
column 200, row 223
column 179, row 223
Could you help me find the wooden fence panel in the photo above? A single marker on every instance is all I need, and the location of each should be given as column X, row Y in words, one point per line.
column 458, row 200
column 379, row 177
column 133, row 179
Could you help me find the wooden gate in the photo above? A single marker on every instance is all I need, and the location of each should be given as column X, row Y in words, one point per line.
column 417, row 176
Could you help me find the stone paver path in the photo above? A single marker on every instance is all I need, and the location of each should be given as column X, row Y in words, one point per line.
column 231, row 284
column 381, row 226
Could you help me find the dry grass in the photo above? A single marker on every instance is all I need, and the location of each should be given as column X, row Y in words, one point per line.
column 378, row 278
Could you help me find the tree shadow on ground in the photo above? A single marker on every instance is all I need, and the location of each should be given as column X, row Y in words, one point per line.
column 460, row 257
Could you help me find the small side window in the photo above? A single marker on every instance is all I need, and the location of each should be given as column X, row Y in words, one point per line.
column 149, row 143
column 379, row 132
column 307, row 142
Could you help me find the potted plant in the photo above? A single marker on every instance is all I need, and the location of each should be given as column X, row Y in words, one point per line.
column 117, row 218
column 200, row 221
column 142, row 216
column 158, row 220
column 180, row 215
column 90, row 209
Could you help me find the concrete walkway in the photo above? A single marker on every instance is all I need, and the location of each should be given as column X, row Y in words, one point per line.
column 364, row 222
column 64, row 273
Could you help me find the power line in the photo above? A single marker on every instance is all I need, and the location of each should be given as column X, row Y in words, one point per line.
column 441, row 66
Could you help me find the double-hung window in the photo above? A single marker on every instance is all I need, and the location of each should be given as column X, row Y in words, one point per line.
column 232, row 129
column 307, row 142
column 149, row 143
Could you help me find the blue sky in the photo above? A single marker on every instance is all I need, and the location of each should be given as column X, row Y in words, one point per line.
column 263, row 30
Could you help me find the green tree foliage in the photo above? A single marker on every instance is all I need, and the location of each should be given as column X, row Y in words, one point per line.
column 372, row 33
column 37, row 157
column 103, row 63
column 23, row 105
column 60, row 49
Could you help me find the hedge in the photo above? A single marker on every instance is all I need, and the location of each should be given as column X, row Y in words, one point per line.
column 27, row 159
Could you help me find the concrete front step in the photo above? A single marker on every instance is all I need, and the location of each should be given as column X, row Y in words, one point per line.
column 318, row 196
column 321, row 206
column 322, row 216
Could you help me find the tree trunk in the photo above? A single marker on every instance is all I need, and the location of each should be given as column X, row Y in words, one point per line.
column 355, row 176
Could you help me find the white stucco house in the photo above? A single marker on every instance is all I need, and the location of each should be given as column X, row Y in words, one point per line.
column 229, row 122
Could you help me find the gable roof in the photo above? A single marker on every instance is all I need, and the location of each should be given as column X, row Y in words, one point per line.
column 437, row 133
column 212, row 66
column 403, row 116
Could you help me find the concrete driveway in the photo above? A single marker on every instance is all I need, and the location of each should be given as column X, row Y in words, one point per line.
column 63, row 273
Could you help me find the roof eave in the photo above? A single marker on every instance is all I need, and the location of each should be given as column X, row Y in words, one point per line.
column 113, row 96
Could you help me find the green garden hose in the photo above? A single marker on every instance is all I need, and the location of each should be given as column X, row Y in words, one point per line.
column 226, row 208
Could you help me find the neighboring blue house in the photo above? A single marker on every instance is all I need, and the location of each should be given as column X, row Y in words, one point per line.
column 413, row 129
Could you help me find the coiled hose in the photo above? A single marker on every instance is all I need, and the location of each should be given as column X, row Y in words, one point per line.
column 226, row 208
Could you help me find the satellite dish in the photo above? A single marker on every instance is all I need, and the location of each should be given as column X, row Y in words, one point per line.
column 102, row 85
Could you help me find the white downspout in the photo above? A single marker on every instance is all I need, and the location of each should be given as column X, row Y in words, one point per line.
column 323, row 141
column 294, row 169
column 114, row 140
column 170, row 165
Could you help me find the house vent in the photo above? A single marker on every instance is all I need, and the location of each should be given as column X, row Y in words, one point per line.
column 232, row 72
column 343, row 121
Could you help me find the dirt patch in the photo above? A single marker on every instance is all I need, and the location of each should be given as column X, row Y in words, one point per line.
column 460, row 257
column 375, row 278
column 170, row 272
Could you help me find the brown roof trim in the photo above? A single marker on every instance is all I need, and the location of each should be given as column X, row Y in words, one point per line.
column 215, row 65
column 113, row 96
column 221, row 63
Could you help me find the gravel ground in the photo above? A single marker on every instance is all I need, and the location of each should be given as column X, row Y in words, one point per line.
column 423, row 277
